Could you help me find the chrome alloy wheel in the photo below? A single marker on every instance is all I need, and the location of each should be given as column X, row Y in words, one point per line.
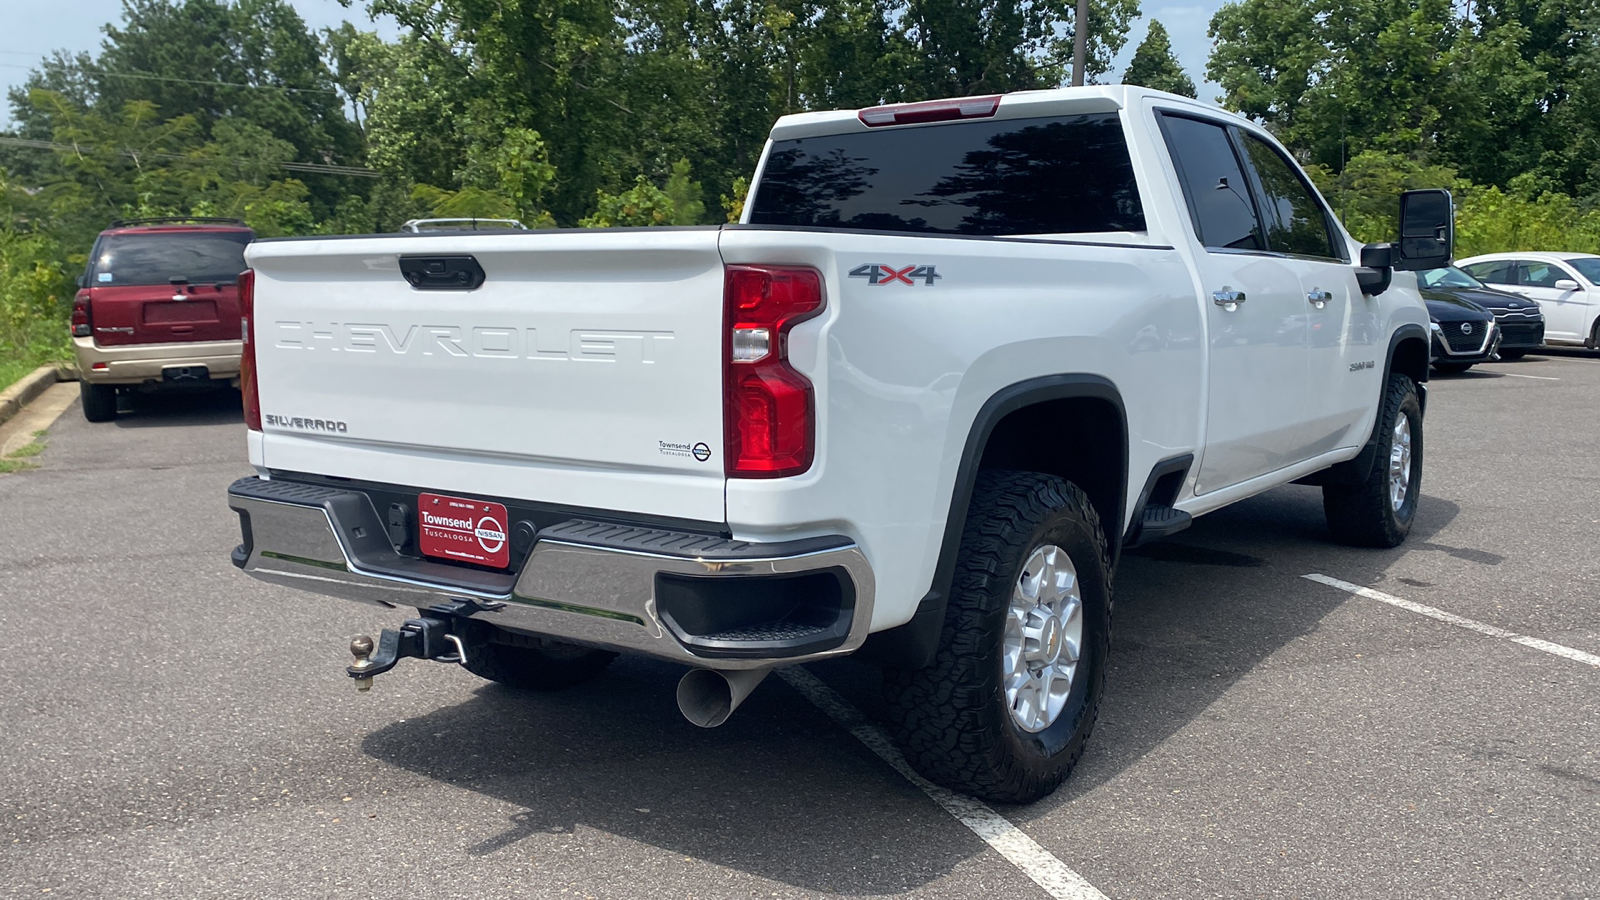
column 1044, row 634
column 1400, row 464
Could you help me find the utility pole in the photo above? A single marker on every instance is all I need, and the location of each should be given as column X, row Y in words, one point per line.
column 1080, row 42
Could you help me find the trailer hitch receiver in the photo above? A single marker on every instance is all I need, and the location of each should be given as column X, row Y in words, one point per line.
column 424, row 638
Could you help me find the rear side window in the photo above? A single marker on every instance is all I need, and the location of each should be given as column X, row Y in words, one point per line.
column 1294, row 217
column 159, row 257
column 1213, row 184
column 1069, row 174
column 1497, row 272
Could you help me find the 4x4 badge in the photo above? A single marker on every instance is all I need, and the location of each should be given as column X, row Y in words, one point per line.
column 876, row 273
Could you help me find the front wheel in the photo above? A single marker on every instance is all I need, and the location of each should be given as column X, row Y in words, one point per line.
column 1379, row 511
column 1450, row 368
column 1006, row 707
column 1510, row 355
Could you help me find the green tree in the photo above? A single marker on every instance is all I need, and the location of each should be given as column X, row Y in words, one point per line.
column 1154, row 66
column 1494, row 94
column 247, row 60
column 475, row 68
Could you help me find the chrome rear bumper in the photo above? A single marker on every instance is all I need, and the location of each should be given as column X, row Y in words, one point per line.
column 582, row 581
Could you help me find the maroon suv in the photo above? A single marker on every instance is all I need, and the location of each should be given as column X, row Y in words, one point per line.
column 158, row 307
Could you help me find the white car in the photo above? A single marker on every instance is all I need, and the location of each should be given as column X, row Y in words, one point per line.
column 1565, row 285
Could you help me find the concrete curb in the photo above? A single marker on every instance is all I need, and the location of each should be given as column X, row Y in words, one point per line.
column 14, row 398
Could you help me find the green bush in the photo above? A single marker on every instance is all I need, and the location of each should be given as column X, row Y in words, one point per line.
column 1527, row 215
column 35, row 303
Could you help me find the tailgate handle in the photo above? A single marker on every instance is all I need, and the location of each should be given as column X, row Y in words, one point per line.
column 442, row 273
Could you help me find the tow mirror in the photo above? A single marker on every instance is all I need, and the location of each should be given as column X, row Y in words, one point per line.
column 1565, row 284
column 1427, row 230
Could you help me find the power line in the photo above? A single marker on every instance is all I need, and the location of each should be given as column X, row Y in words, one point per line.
column 145, row 77
column 316, row 168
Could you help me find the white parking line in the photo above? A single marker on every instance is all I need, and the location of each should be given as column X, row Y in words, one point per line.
column 1459, row 621
column 996, row 830
column 1540, row 377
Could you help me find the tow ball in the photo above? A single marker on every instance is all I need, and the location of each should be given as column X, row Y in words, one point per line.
column 424, row 638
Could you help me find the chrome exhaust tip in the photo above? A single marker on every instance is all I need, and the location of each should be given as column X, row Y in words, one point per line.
column 707, row 697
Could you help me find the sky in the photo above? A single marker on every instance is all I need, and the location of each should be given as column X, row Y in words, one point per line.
column 33, row 29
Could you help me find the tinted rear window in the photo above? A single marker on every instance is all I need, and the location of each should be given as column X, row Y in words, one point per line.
column 1015, row 176
column 159, row 257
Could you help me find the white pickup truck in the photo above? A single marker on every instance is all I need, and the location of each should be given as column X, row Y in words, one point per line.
column 956, row 356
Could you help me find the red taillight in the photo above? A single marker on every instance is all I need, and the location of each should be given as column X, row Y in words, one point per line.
column 247, row 360
column 770, row 418
column 81, row 323
column 931, row 111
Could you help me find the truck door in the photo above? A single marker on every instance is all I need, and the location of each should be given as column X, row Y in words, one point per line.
column 1256, row 312
column 1344, row 336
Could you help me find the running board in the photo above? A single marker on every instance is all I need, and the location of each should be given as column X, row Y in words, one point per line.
column 1159, row 522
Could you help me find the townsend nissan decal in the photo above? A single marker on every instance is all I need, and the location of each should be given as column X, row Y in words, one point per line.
column 484, row 342
column 877, row 273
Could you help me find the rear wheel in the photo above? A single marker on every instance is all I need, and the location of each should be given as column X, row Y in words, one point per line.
column 1007, row 705
column 1379, row 511
column 537, row 664
column 99, row 401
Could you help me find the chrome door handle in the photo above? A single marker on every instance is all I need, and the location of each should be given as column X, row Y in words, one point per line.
column 1319, row 298
column 1227, row 298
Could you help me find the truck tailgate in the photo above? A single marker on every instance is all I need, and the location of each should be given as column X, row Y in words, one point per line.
column 586, row 370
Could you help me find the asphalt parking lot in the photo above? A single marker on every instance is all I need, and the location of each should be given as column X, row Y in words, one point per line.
column 171, row 728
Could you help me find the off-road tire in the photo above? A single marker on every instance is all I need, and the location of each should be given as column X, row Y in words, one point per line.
column 951, row 717
column 99, row 401
column 1512, row 355
column 535, row 664
column 1450, row 368
column 1361, row 514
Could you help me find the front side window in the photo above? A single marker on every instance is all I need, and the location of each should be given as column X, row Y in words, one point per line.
column 1539, row 274
column 1064, row 175
column 1213, row 184
column 1495, row 272
column 161, row 257
column 1588, row 267
column 1294, row 217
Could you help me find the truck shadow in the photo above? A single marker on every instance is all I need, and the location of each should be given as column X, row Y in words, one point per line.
column 218, row 406
column 782, row 793
column 1185, row 635
column 779, row 792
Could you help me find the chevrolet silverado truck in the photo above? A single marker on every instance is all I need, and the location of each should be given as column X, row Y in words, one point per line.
column 955, row 357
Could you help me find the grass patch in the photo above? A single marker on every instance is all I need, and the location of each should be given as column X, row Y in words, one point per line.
column 38, row 342
column 21, row 459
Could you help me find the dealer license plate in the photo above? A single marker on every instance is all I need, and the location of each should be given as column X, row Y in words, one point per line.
column 463, row 530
